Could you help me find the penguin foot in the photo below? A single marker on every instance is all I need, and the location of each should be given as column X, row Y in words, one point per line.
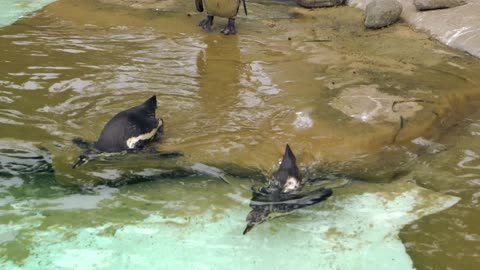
column 207, row 23
column 230, row 28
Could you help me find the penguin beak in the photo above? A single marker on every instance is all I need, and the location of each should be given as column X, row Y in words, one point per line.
column 80, row 161
column 248, row 228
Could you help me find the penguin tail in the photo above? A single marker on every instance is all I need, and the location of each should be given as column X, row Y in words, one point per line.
column 289, row 161
column 150, row 105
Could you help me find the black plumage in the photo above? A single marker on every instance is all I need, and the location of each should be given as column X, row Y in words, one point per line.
column 128, row 130
column 283, row 194
column 128, row 124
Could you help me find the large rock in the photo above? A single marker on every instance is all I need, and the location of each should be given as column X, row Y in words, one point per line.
column 382, row 13
column 319, row 3
column 457, row 27
column 437, row 4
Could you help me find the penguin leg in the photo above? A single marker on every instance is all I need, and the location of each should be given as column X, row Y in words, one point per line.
column 207, row 23
column 230, row 28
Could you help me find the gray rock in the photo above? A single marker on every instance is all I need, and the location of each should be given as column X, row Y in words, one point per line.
column 437, row 4
column 319, row 3
column 382, row 13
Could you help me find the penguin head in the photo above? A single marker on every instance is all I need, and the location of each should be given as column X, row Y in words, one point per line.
column 288, row 177
column 82, row 159
column 255, row 217
column 85, row 157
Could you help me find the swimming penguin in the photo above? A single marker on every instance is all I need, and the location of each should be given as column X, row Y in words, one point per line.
column 129, row 130
column 222, row 8
column 282, row 195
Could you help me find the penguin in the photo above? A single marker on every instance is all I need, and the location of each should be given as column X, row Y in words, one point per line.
column 222, row 8
column 282, row 195
column 288, row 177
column 129, row 130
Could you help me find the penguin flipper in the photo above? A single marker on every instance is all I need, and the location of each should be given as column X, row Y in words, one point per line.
column 308, row 199
column 199, row 5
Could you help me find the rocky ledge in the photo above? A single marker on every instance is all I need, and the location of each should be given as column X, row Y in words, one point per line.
column 458, row 27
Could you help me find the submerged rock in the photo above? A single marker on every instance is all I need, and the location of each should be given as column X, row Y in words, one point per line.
column 319, row 3
column 367, row 103
column 382, row 13
column 437, row 4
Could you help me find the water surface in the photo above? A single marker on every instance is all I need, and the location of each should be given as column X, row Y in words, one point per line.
column 290, row 76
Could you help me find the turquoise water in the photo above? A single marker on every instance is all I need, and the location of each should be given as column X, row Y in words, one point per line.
column 129, row 227
column 11, row 10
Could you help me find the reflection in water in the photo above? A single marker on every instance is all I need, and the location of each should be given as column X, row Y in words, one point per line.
column 219, row 71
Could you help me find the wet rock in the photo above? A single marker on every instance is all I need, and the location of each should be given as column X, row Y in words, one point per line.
column 437, row 4
column 382, row 13
column 319, row 3
column 458, row 27
column 367, row 103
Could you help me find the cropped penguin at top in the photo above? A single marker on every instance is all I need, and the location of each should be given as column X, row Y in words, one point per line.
column 282, row 195
column 222, row 8
column 129, row 130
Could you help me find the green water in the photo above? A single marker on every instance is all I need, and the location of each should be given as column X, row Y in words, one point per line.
column 290, row 76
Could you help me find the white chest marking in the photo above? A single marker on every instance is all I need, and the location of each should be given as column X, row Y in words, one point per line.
column 291, row 184
column 131, row 142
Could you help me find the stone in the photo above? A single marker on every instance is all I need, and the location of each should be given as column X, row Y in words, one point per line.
column 382, row 13
column 457, row 27
column 367, row 103
column 437, row 4
column 319, row 3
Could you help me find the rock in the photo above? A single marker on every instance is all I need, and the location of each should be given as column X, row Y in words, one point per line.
column 367, row 103
column 319, row 3
column 382, row 13
column 457, row 27
column 437, row 4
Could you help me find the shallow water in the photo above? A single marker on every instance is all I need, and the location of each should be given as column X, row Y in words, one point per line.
column 232, row 103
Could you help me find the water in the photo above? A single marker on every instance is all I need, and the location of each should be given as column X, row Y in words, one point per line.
column 233, row 103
